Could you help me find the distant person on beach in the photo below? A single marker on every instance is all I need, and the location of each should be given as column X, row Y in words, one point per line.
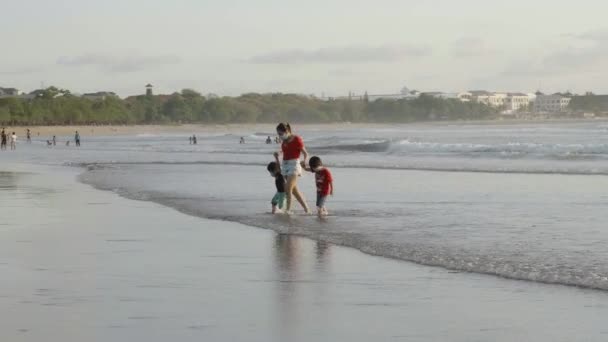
column 242, row 141
column 194, row 141
column 292, row 148
column 278, row 201
column 67, row 143
column 268, row 140
column 324, row 181
column 190, row 138
column 49, row 143
column 276, row 140
column 13, row 141
column 3, row 140
column 54, row 140
column 77, row 138
column 28, row 136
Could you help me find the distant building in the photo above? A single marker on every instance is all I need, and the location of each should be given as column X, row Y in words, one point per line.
column 478, row 93
column 515, row 102
column 149, row 89
column 34, row 94
column 462, row 96
column 404, row 94
column 99, row 96
column 492, row 99
column 8, row 92
column 556, row 103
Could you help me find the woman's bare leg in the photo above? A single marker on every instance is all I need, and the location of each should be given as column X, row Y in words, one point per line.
column 290, row 184
column 300, row 197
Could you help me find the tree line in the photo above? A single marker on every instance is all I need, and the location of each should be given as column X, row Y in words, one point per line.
column 54, row 106
column 590, row 102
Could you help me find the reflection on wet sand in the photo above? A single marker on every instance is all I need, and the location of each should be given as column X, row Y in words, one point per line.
column 286, row 257
column 8, row 180
column 286, row 253
column 292, row 255
column 322, row 252
column 20, row 185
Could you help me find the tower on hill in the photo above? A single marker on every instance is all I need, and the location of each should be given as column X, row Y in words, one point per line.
column 149, row 90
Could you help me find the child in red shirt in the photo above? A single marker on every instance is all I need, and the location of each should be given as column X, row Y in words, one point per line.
column 324, row 181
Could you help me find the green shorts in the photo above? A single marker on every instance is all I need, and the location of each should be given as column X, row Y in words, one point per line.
column 278, row 200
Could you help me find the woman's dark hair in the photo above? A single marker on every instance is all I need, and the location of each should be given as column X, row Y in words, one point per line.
column 284, row 127
column 314, row 162
column 272, row 167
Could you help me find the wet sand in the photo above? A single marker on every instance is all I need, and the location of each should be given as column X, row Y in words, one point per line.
column 80, row 264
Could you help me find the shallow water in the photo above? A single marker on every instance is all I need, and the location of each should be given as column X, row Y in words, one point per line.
column 533, row 209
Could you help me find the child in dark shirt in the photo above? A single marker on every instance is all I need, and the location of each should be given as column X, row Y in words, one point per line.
column 279, row 198
column 324, row 181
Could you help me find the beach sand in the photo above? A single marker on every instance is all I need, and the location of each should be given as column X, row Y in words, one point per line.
column 80, row 264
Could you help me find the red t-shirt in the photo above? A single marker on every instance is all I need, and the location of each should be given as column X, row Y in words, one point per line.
column 323, row 179
column 292, row 149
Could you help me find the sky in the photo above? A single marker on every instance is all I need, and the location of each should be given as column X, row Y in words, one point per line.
column 321, row 47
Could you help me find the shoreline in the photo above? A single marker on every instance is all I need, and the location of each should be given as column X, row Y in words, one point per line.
column 371, row 251
column 114, row 130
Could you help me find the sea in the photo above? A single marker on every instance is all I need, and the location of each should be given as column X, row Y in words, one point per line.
column 524, row 201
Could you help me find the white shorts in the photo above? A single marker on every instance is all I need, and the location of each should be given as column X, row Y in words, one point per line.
column 291, row 167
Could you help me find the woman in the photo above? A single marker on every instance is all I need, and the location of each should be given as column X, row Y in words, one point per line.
column 292, row 148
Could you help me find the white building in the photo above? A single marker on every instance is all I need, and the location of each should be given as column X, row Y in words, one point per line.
column 516, row 102
column 556, row 103
column 462, row 97
column 408, row 94
column 489, row 98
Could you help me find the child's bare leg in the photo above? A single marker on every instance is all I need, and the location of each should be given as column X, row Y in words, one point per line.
column 300, row 197
column 274, row 209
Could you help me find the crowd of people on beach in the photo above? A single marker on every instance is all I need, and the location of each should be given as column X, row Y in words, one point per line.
column 285, row 170
column 6, row 138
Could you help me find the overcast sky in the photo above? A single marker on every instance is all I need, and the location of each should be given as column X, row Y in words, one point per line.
column 316, row 46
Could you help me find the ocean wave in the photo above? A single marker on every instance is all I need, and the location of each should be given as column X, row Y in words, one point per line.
column 507, row 150
column 366, row 146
